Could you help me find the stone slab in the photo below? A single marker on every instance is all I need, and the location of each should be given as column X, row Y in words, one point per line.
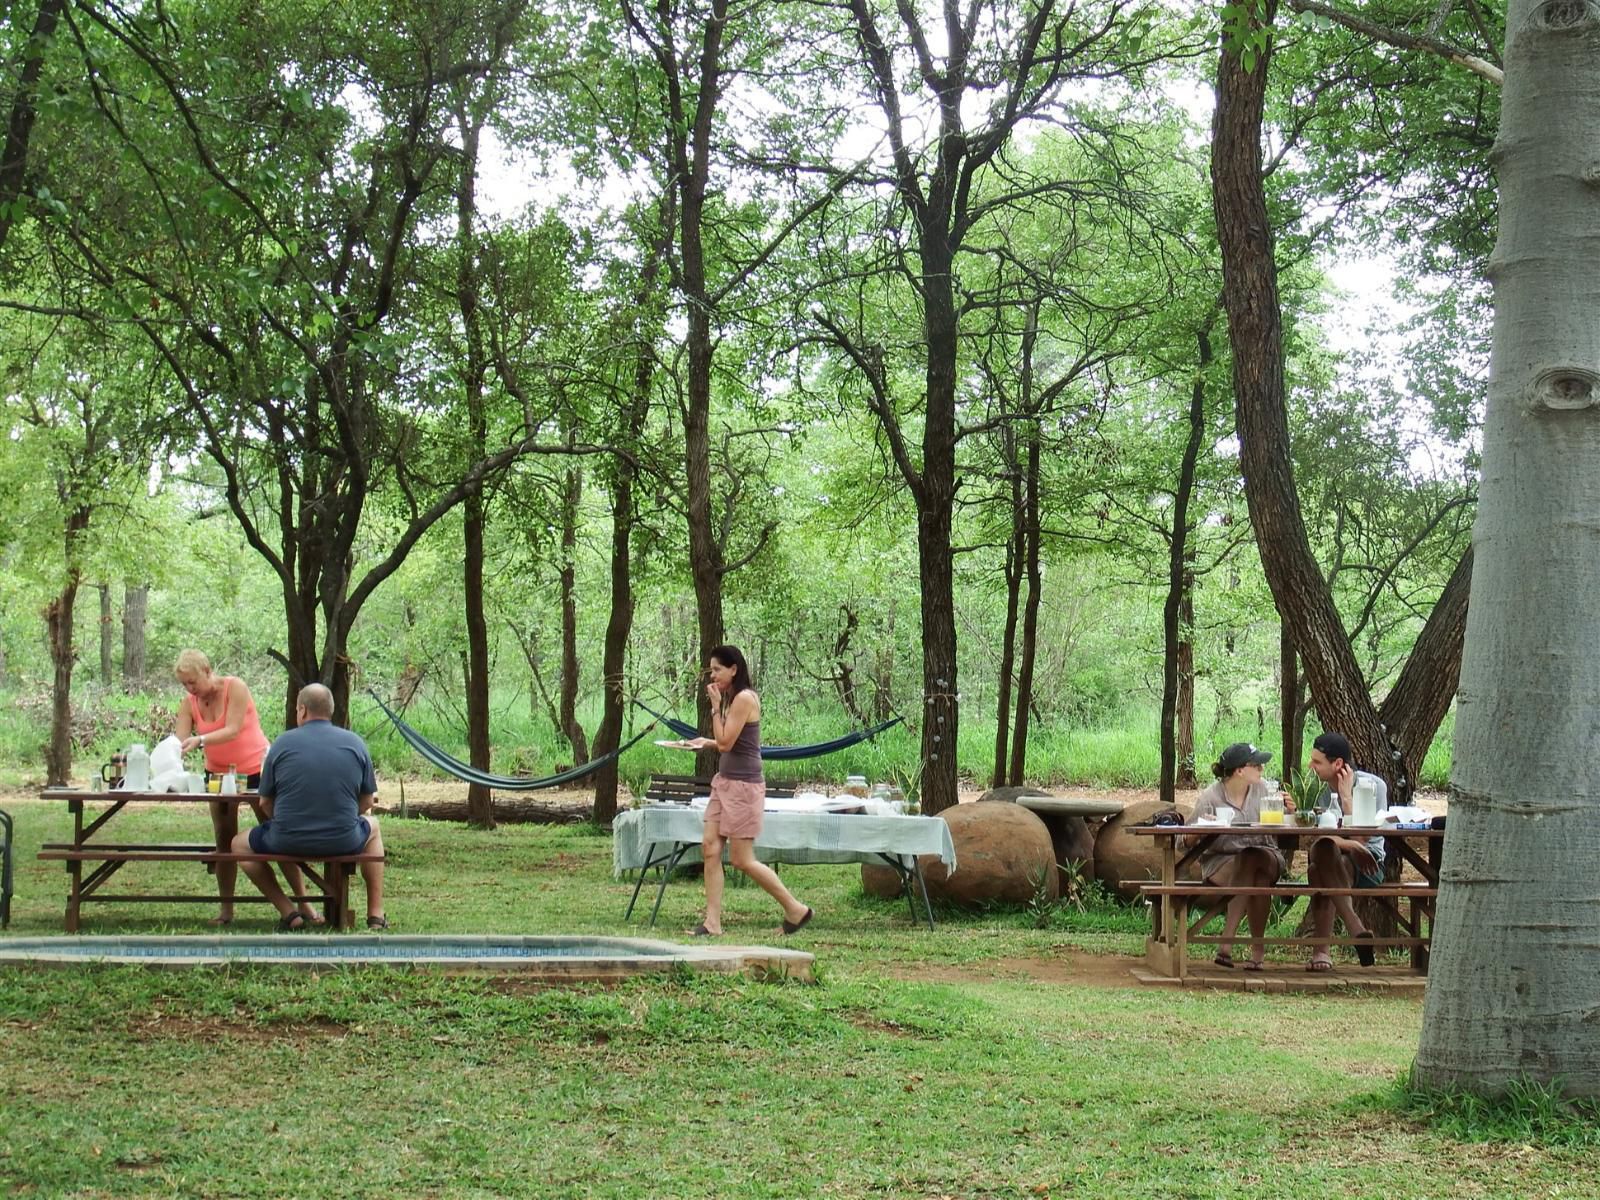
column 1071, row 806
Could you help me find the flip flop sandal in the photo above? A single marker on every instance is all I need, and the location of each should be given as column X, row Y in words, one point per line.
column 1255, row 964
column 377, row 922
column 1224, row 960
column 1365, row 953
column 287, row 924
column 1320, row 964
column 702, row 931
column 796, row 926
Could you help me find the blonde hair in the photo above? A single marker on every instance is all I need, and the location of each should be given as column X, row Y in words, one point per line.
column 191, row 662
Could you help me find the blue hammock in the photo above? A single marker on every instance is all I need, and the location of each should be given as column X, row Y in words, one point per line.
column 500, row 783
column 781, row 753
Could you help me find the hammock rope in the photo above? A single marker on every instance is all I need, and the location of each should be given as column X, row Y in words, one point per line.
column 500, row 783
column 782, row 753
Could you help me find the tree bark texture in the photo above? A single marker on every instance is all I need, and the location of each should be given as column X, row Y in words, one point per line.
column 1034, row 574
column 1514, row 986
column 1289, row 716
column 571, row 499
column 1255, row 328
column 619, row 624
column 58, row 625
column 135, row 614
column 1008, row 634
column 1187, row 777
column 24, row 112
column 1299, row 591
column 106, row 619
column 480, row 752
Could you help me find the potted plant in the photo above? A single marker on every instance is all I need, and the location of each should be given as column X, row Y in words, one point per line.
column 1305, row 789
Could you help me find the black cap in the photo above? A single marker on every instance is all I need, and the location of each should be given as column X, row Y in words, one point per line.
column 1240, row 753
column 1333, row 745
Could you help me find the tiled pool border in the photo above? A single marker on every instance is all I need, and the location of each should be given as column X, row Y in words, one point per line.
column 557, row 958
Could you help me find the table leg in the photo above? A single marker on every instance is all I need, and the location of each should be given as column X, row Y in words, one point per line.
column 74, row 893
column 649, row 857
column 666, row 874
column 927, row 906
column 1169, row 911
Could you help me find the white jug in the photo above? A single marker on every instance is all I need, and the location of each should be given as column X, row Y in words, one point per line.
column 138, row 777
column 1328, row 818
column 1363, row 803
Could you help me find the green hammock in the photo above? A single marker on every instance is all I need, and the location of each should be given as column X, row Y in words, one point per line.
column 782, row 753
column 500, row 783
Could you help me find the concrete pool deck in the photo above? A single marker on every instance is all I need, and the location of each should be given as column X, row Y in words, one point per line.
column 553, row 959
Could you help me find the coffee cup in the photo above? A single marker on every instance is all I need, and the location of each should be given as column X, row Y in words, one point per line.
column 115, row 772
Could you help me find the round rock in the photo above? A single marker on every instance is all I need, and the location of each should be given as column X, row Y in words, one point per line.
column 1002, row 850
column 1123, row 860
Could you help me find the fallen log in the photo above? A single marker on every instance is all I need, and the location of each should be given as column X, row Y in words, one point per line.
column 509, row 812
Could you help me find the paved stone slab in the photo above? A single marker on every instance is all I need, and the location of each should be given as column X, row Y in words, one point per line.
column 1071, row 806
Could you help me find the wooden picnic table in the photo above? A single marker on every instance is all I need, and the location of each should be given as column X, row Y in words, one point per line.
column 1166, row 949
column 105, row 858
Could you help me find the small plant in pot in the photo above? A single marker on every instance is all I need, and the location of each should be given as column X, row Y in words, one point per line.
column 1305, row 789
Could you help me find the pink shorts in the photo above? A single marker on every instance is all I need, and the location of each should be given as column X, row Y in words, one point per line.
column 736, row 806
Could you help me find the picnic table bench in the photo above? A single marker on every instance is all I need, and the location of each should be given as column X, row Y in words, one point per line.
column 329, row 875
column 1173, row 901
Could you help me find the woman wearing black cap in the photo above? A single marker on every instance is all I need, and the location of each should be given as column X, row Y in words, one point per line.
column 1239, row 860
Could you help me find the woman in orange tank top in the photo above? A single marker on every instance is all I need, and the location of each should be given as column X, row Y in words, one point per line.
column 218, row 717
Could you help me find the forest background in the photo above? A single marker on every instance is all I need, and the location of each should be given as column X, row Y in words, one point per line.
column 502, row 358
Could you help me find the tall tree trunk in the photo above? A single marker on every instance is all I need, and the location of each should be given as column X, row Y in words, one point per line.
column 1008, row 635
column 1289, row 717
column 1514, row 973
column 1186, row 777
column 24, row 111
column 58, row 624
column 480, row 751
column 106, row 619
column 941, row 711
column 1034, row 574
column 1177, row 571
column 1302, row 596
column 571, row 500
column 619, row 625
column 135, row 610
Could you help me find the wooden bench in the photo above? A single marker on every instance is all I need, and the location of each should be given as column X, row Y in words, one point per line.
column 1167, row 949
column 680, row 789
column 332, row 881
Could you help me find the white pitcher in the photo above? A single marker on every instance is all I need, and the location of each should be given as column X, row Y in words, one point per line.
column 138, row 777
column 1363, row 803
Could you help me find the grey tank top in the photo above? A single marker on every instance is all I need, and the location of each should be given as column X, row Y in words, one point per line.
column 743, row 760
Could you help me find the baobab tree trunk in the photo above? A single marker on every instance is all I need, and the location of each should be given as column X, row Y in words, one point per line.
column 1515, row 974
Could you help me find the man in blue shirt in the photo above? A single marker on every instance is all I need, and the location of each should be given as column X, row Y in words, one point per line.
column 317, row 789
column 1341, row 862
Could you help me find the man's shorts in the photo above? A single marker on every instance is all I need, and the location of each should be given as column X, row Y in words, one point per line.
column 1365, row 880
column 736, row 806
column 262, row 841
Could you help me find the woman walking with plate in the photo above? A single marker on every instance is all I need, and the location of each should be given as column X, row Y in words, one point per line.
column 738, row 791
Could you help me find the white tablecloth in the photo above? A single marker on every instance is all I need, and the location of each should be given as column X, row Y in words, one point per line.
column 787, row 837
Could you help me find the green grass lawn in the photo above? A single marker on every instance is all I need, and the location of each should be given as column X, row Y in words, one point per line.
column 919, row 1065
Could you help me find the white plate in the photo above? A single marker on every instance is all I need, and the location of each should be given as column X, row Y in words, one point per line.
column 674, row 744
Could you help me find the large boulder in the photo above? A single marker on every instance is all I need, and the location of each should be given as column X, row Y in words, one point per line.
column 1001, row 851
column 1071, row 838
column 1123, row 860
